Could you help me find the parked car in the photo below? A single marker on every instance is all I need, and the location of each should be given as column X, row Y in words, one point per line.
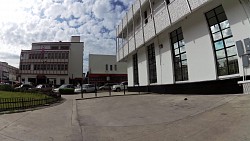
column 120, row 87
column 56, row 90
column 86, row 88
column 107, row 86
column 43, row 87
column 24, row 87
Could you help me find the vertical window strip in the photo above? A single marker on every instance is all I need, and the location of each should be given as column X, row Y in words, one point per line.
column 223, row 43
column 179, row 55
column 107, row 67
column 152, row 64
column 135, row 69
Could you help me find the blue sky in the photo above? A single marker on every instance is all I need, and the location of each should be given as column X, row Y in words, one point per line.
column 23, row 22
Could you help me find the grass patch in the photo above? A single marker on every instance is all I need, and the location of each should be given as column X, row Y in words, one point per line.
column 10, row 101
column 5, row 94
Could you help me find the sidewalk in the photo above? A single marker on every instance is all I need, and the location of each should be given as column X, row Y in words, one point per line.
column 111, row 93
column 149, row 117
column 56, row 123
column 166, row 118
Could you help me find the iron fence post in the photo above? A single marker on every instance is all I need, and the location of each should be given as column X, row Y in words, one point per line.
column 22, row 103
column 95, row 91
column 109, row 90
column 124, row 89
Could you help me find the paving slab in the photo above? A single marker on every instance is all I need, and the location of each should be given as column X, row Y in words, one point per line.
column 149, row 117
column 57, row 123
column 165, row 117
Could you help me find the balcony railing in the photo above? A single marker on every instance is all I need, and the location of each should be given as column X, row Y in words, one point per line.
column 131, row 44
column 139, row 37
column 164, row 15
column 178, row 9
column 149, row 30
column 162, row 20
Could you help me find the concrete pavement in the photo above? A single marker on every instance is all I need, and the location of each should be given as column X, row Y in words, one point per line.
column 134, row 118
column 166, row 118
column 56, row 123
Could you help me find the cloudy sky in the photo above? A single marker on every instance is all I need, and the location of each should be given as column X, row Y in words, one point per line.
column 25, row 21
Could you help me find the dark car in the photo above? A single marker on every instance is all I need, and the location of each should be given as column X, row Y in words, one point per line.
column 43, row 87
column 24, row 87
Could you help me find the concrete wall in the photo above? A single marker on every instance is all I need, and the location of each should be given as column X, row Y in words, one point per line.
column 199, row 47
column 97, row 64
column 239, row 22
column 164, row 16
column 200, row 55
column 142, row 67
column 166, row 64
column 40, row 46
column 130, row 71
column 76, row 60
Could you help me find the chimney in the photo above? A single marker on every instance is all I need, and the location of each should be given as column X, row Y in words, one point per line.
column 75, row 38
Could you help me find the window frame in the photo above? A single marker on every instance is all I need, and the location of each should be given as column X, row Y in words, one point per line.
column 152, row 70
column 177, row 38
column 135, row 69
column 222, row 39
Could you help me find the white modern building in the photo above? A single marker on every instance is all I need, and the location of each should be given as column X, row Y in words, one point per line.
column 53, row 62
column 184, row 46
column 105, row 68
column 8, row 73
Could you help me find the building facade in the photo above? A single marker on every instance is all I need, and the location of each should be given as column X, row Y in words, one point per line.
column 8, row 73
column 104, row 69
column 184, row 46
column 53, row 62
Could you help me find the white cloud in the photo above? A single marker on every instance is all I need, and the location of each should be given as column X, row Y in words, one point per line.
column 23, row 22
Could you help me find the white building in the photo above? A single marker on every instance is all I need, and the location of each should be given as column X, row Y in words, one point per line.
column 105, row 68
column 8, row 73
column 184, row 46
column 53, row 62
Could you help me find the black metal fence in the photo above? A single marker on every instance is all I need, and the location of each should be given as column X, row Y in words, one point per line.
column 11, row 104
column 110, row 92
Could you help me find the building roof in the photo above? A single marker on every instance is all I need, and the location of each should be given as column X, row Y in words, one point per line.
column 54, row 43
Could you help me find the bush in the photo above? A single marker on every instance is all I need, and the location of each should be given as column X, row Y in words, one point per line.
column 6, row 87
column 66, row 91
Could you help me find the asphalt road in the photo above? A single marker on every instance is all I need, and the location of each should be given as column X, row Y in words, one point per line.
column 134, row 118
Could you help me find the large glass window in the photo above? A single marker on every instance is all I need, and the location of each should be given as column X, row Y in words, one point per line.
column 135, row 69
column 222, row 37
column 179, row 54
column 152, row 64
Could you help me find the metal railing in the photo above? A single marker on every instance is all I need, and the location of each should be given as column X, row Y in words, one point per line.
column 109, row 92
column 11, row 104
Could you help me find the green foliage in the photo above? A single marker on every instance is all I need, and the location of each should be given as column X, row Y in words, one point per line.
column 10, row 101
column 66, row 91
column 6, row 88
column 5, row 94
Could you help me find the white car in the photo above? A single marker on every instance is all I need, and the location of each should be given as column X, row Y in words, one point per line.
column 86, row 88
column 120, row 87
